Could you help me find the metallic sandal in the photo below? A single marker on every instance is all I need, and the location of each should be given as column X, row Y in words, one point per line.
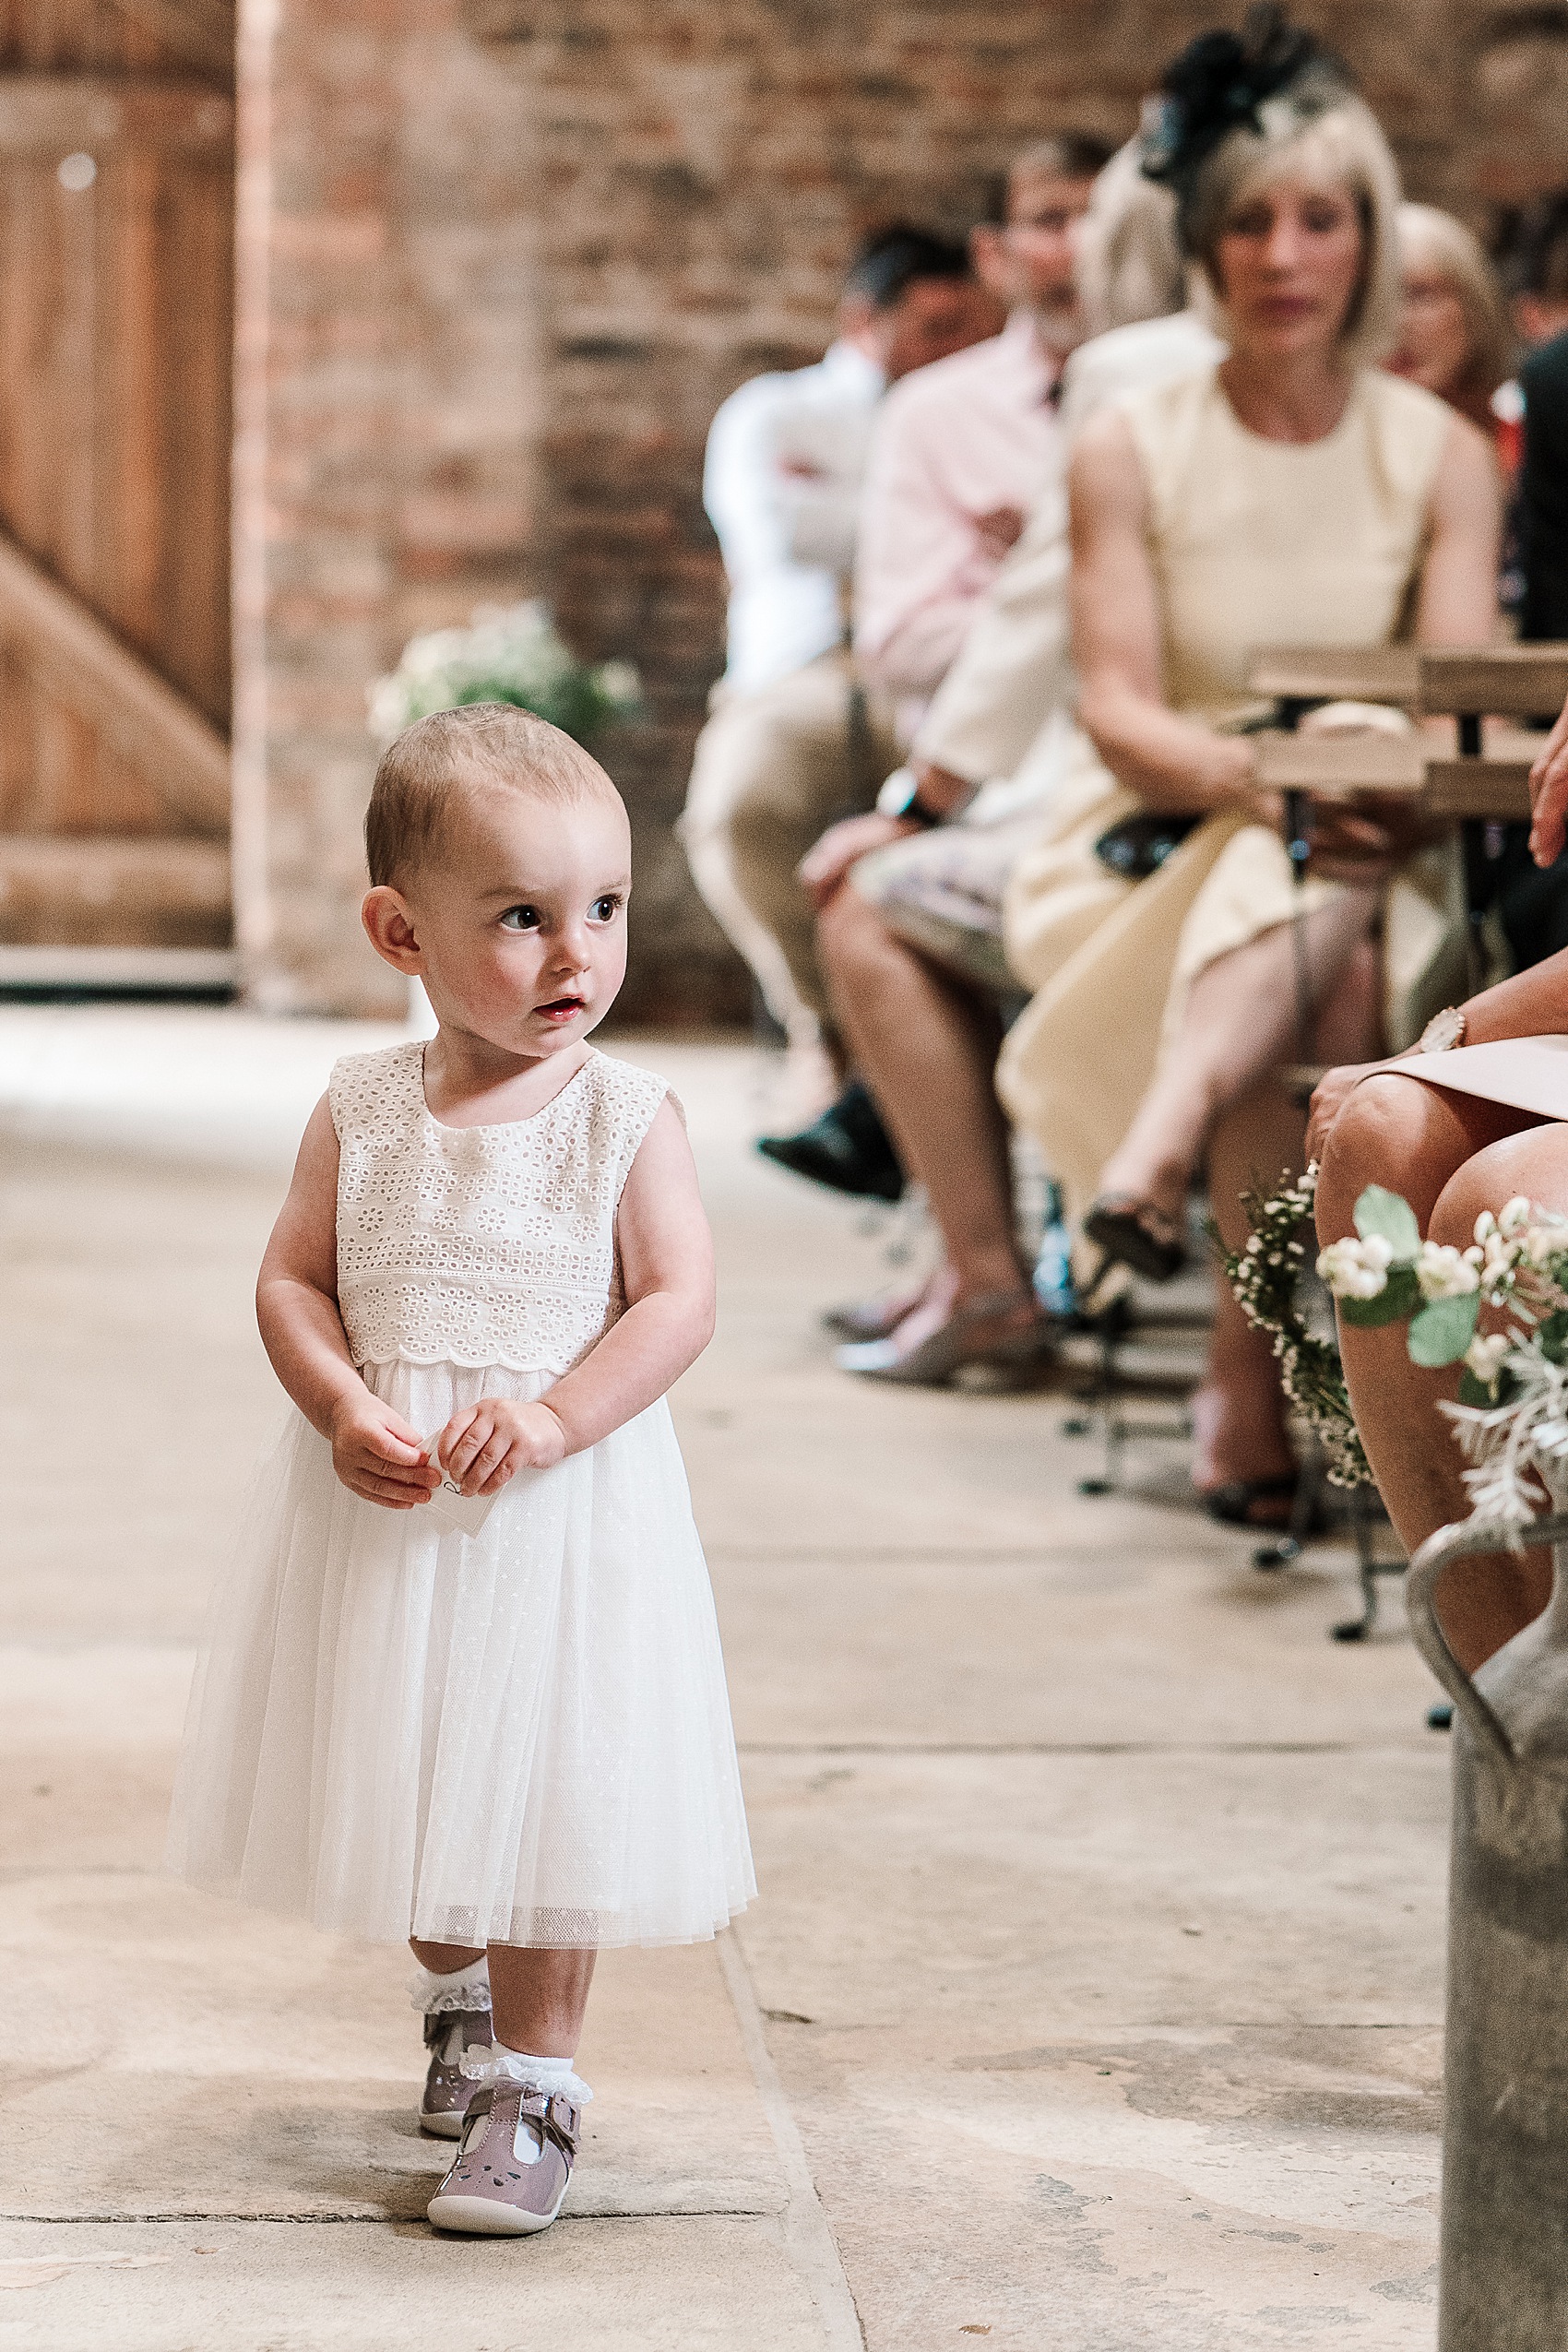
column 947, row 1360
column 448, row 2090
column 511, row 2171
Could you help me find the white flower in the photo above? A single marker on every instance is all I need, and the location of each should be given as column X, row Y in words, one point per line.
column 1501, row 1258
column 1443, row 1274
column 1515, row 1216
column 1355, row 1269
column 1485, row 1226
column 1484, row 1357
column 1541, row 1243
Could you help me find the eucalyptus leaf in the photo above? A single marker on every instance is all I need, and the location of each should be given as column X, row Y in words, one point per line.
column 1553, row 1337
column 1476, row 1392
column 1399, row 1299
column 1444, row 1329
column 1389, row 1217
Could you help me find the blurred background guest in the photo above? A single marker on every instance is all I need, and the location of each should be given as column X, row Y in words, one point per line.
column 911, row 932
column 959, row 456
column 791, row 743
column 1532, row 903
column 1290, row 494
column 1455, row 336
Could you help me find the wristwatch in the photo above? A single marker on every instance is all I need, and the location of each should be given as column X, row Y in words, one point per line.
column 1443, row 1032
column 901, row 796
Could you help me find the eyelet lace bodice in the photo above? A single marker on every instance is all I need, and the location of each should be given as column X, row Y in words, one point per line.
column 481, row 1245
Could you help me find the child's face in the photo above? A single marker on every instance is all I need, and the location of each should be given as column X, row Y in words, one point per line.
column 519, row 927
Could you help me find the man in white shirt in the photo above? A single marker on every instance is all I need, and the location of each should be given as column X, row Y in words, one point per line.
column 792, row 745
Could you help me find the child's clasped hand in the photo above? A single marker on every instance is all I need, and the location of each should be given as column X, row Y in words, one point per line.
column 485, row 1444
column 378, row 1455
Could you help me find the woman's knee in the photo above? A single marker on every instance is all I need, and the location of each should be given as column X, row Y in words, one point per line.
column 1392, row 1130
column 1533, row 1164
column 851, row 934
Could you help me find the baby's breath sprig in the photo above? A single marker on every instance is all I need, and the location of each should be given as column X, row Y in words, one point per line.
column 1512, row 1415
column 1266, row 1276
column 511, row 654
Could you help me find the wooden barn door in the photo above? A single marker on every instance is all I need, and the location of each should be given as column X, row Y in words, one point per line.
column 116, row 326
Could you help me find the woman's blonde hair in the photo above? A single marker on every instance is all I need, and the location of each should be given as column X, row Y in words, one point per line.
column 1435, row 239
column 1339, row 142
column 1130, row 263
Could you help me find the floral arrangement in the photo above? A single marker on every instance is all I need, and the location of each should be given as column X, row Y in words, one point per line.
column 506, row 654
column 1512, row 1415
column 1266, row 1276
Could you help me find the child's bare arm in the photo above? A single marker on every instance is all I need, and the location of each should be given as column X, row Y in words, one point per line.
column 374, row 1451
column 667, row 1266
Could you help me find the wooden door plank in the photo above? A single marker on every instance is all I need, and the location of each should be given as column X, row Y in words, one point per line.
column 200, row 31
column 195, row 329
column 133, row 520
column 180, row 752
column 145, row 875
column 43, row 116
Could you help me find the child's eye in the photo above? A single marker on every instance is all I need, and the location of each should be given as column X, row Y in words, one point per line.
column 605, row 909
column 521, row 919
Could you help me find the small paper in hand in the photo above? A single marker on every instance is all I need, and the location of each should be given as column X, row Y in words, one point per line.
column 467, row 1512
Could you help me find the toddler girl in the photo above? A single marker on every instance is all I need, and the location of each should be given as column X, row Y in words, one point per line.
column 465, row 1685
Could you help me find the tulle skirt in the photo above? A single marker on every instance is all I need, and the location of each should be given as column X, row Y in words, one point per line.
column 519, row 1737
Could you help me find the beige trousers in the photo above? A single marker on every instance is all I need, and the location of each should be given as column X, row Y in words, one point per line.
column 773, row 770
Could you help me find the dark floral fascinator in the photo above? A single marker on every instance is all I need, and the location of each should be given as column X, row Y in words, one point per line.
column 1219, row 83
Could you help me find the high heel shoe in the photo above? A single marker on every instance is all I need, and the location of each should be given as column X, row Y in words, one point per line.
column 864, row 1319
column 1134, row 1233
column 948, row 1359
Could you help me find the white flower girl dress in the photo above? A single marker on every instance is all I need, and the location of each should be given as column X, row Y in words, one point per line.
column 520, row 1735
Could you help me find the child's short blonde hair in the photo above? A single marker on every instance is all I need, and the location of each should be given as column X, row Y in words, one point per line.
column 436, row 763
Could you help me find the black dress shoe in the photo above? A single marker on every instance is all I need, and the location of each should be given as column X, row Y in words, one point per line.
column 846, row 1149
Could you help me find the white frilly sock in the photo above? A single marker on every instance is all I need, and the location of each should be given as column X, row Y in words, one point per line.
column 501, row 2064
column 430, row 1993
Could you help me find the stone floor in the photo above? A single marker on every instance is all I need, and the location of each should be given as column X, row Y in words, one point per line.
column 1091, row 2000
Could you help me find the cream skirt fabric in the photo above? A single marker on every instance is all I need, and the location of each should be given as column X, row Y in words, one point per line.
column 520, row 1737
column 1112, row 960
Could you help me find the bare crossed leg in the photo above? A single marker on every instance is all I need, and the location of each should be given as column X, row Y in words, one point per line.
column 1240, row 1022
column 927, row 1047
column 539, row 1997
column 1451, row 1155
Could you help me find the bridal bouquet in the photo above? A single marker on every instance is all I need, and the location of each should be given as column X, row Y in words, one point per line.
column 506, row 654
column 1512, row 1417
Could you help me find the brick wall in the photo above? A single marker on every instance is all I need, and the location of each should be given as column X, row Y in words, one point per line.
column 518, row 252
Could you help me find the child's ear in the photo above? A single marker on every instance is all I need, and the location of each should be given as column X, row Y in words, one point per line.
column 389, row 927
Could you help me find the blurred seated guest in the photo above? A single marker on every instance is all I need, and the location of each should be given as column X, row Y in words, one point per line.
column 1290, row 494
column 1453, row 1149
column 910, row 927
column 791, row 745
column 1532, row 905
column 961, row 454
column 1454, row 337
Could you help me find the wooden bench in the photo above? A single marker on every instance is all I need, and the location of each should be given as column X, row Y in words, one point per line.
column 1485, row 779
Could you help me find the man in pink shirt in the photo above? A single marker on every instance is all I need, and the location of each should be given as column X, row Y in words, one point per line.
column 964, row 448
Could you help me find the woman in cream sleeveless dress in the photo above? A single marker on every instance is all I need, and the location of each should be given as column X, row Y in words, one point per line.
column 1251, row 542
column 1287, row 493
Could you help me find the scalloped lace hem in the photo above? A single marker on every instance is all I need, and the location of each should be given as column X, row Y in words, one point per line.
column 495, row 1360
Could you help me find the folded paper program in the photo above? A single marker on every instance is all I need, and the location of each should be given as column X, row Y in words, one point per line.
column 1525, row 1073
